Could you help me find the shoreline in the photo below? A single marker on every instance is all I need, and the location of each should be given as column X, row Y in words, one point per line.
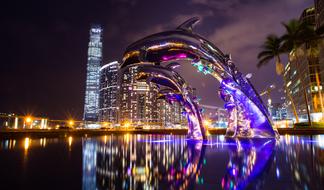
column 43, row 133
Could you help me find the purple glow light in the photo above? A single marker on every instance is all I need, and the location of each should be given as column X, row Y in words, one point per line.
column 177, row 56
column 234, row 172
column 220, row 143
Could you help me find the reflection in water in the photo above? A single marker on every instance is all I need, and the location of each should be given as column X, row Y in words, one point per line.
column 89, row 164
column 172, row 162
column 248, row 160
column 165, row 162
column 300, row 162
column 141, row 162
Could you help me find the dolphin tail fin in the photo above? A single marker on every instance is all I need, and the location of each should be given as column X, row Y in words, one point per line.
column 189, row 24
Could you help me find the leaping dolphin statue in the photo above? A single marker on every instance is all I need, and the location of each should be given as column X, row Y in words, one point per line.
column 183, row 43
column 176, row 90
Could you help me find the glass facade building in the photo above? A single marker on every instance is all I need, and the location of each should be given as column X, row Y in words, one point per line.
column 137, row 100
column 108, row 93
column 91, row 104
column 170, row 115
column 304, row 75
column 139, row 103
column 319, row 19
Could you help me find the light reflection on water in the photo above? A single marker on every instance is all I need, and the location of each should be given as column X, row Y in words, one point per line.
column 174, row 162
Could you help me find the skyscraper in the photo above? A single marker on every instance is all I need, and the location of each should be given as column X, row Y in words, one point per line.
column 319, row 19
column 170, row 115
column 137, row 100
column 108, row 93
column 303, row 75
column 319, row 11
column 91, row 103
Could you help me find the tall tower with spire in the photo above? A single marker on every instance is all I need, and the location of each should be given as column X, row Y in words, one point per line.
column 91, row 104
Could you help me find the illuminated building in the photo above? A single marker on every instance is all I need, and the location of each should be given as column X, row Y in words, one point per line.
column 170, row 115
column 138, row 103
column 319, row 19
column 303, row 73
column 137, row 100
column 217, row 115
column 91, row 103
column 108, row 93
column 319, row 10
column 278, row 111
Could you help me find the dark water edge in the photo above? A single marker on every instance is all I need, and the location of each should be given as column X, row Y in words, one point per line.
column 161, row 162
column 61, row 133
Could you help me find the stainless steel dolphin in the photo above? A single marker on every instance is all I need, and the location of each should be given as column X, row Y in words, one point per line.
column 183, row 44
column 176, row 90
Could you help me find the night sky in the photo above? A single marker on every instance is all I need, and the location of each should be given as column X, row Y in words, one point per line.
column 44, row 44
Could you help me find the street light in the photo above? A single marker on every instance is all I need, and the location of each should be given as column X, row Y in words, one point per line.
column 71, row 123
column 127, row 124
column 28, row 119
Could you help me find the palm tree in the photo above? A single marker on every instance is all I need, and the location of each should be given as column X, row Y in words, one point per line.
column 297, row 34
column 272, row 49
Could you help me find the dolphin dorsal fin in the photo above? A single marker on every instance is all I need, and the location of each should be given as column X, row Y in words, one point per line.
column 189, row 24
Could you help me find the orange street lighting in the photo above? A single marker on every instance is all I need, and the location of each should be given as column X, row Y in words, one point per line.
column 71, row 122
column 28, row 119
column 127, row 124
column 207, row 123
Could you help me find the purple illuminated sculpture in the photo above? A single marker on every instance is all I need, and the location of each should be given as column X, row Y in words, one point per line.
column 248, row 117
column 248, row 161
column 173, row 88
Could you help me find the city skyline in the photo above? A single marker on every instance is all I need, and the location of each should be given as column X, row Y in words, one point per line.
column 56, row 51
column 140, row 94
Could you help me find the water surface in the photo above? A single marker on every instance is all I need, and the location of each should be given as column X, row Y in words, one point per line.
column 162, row 162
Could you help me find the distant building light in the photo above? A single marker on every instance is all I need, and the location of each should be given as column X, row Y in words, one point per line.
column 289, row 83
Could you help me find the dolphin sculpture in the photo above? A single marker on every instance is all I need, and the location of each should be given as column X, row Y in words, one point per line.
column 175, row 89
column 183, row 44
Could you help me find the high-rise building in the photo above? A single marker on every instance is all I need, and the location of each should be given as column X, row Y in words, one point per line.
column 137, row 100
column 170, row 115
column 303, row 75
column 91, row 103
column 108, row 93
column 319, row 20
column 319, row 11
column 278, row 111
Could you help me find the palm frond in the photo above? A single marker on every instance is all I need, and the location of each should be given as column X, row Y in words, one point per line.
column 271, row 49
column 264, row 61
column 264, row 53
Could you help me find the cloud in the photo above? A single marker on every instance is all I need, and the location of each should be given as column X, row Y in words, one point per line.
column 217, row 4
column 238, row 28
column 249, row 27
column 244, row 34
column 171, row 24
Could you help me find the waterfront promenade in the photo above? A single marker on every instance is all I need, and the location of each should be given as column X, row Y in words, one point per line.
column 38, row 133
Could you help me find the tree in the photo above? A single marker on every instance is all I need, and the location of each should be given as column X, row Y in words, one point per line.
column 297, row 34
column 272, row 49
